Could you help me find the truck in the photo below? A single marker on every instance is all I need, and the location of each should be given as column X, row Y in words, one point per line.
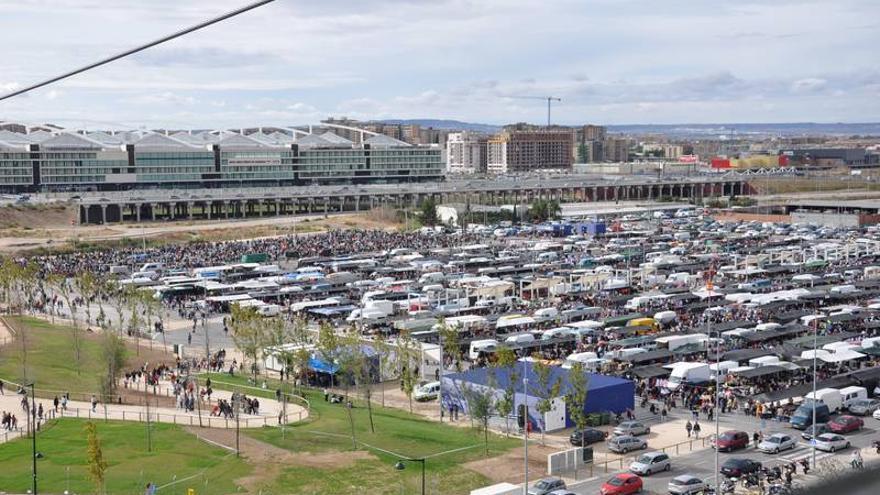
column 830, row 397
column 688, row 374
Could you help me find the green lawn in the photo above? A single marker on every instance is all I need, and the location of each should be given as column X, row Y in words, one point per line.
column 175, row 453
column 51, row 360
column 329, row 430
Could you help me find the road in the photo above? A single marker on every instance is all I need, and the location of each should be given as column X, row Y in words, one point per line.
column 701, row 463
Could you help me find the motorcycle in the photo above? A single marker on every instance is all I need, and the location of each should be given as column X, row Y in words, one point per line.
column 876, row 445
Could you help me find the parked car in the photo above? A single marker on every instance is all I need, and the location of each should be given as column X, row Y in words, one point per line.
column 634, row 428
column 732, row 440
column 736, row 467
column 562, row 492
column 831, row 442
column 776, row 443
column 820, row 429
column 626, row 443
column 587, row 437
column 845, row 424
column 547, row 485
column 876, row 414
column 426, row 392
column 622, row 484
column 864, row 407
column 650, row 463
column 686, row 484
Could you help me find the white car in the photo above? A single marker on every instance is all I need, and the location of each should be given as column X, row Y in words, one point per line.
column 831, row 442
column 876, row 414
column 776, row 443
column 686, row 484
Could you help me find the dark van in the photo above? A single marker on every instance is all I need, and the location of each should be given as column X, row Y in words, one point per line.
column 803, row 416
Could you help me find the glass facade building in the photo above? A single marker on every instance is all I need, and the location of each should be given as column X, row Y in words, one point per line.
column 78, row 162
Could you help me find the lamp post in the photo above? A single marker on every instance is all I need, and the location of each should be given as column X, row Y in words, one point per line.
column 400, row 466
column 33, row 422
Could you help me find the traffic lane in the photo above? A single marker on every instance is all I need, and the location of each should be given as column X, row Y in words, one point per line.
column 696, row 463
column 701, row 463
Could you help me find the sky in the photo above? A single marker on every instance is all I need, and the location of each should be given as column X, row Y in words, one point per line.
column 300, row 61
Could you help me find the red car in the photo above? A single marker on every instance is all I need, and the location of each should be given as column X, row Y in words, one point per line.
column 622, row 484
column 845, row 424
column 732, row 440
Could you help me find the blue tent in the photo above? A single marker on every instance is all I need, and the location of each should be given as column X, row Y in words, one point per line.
column 320, row 366
column 605, row 393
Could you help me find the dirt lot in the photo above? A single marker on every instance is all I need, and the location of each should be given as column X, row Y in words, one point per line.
column 28, row 228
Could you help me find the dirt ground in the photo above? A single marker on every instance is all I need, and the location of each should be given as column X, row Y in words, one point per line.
column 27, row 228
column 267, row 459
column 509, row 466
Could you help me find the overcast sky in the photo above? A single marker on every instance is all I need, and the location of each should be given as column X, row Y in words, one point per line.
column 298, row 61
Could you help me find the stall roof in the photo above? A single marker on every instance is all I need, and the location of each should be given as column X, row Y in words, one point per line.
column 333, row 310
column 650, row 371
column 745, row 354
column 646, row 357
column 761, row 371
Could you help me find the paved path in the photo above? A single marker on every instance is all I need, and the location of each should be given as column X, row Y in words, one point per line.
column 268, row 413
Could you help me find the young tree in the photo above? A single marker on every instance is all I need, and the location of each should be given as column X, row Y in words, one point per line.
column 356, row 364
column 113, row 357
column 88, row 287
column 62, row 286
column 576, row 398
column 543, row 210
column 406, row 355
column 451, row 343
column 328, row 343
column 546, row 389
column 480, row 405
column 428, row 211
column 506, row 360
column 95, row 457
column 249, row 335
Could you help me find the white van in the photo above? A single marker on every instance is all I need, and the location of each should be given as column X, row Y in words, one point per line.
column 478, row 346
column 578, row 357
column 544, row 314
column 851, row 394
column 522, row 338
column 831, row 397
column 152, row 267
column 547, row 257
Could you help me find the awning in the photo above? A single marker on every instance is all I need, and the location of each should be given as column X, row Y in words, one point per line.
column 650, row 371
column 761, row 371
column 647, row 357
column 319, row 366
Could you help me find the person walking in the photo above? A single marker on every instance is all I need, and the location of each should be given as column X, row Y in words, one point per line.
column 94, row 403
column 696, row 430
column 688, row 427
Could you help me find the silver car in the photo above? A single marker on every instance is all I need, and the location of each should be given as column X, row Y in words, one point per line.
column 864, row 407
column 650, row 463
column 776, row 443
column 634, row 428
column 686, row 484
column 626, row 443
column 831, row 442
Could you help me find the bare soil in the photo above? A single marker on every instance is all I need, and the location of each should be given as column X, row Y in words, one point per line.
column 268, row 459
column 509, row 466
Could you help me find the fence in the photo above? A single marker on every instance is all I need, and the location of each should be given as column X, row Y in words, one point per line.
column 579, row 471
column 202, row 420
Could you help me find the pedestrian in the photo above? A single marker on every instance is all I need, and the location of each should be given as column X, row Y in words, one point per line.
column 55, row 403
column 711, row 413
column 451, row 415
column 1, row 388
column 696, row 430
column 94, row 403
column 326, row 394
column 688, row 427
column 756, row 438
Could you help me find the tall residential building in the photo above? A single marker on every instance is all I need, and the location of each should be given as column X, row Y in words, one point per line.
column 527, row 150
column 466, row 153
column 616, row 149
column 589, row 141
column 592, row 132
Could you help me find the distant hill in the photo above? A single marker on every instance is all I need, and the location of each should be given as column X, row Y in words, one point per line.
column 744, row 130
column 447, row 124
column 687, row 130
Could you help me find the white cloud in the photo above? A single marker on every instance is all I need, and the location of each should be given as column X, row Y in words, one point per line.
column 611, row 61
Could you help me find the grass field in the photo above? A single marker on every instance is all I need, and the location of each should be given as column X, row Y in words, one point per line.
column 400, row 434
column 175, row 454
column 51, row 359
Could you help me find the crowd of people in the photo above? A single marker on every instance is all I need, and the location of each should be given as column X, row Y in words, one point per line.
column 198, row 254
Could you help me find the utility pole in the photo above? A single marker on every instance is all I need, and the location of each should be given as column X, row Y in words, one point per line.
column 236, row 400
column 34, row 435
column 526, row 426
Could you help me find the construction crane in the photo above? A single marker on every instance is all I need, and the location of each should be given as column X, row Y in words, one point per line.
column 549, row 99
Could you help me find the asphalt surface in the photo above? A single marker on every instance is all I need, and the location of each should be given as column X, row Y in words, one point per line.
column 701, row 463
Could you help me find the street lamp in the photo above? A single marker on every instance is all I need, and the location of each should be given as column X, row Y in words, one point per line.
column 400, row 466
column 33, row 422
